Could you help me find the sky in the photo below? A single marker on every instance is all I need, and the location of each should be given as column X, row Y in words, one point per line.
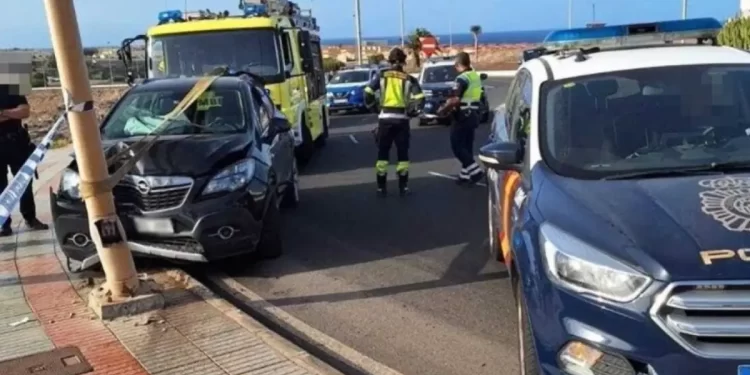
column 107, row 22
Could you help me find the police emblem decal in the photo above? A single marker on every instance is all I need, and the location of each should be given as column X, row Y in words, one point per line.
column 727, row 201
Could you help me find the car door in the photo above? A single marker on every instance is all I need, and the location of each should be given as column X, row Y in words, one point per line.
column 280, row 145
column 511, row 193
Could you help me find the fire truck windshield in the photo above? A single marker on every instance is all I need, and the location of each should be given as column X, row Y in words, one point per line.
column 194, row 54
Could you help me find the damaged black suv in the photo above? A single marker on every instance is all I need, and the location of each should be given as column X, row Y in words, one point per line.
column 211, row 186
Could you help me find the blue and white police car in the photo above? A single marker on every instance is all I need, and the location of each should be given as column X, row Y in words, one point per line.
column 619, row 200
column 437, row 79
column 345, row 90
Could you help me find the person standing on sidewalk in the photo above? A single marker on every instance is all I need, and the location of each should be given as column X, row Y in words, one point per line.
column 401, row 98
column 465, row 105
column 15, row 148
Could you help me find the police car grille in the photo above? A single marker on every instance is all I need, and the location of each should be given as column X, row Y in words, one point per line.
column 709, row 319
column 128, row 197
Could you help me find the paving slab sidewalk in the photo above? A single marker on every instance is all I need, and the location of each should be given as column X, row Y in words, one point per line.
column 43, row 307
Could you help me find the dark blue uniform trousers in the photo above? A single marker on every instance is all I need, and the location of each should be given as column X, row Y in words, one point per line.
column 462, row 143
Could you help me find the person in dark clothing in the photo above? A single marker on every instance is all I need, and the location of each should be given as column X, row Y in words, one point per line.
column 15, row 148
column 465, row 105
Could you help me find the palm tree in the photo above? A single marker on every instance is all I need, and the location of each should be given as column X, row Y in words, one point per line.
column 475, row 31
column 415, row 44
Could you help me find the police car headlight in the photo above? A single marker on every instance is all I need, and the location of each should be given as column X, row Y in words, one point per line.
column 577, row 266
column 232, row 178
column 70, row 184
column 427, row 92
column 329, row 94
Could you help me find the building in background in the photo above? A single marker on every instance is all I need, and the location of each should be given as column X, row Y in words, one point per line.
column 745, row 8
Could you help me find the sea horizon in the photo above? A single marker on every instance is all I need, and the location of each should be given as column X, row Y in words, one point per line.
column 496, row 37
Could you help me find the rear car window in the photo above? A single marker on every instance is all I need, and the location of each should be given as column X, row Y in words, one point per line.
column 646, row 119
column 141, row 112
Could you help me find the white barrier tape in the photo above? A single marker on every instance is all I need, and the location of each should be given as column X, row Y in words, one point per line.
column 12, row 194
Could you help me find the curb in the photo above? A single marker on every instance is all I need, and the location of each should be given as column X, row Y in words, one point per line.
column 338, row 355
column 295, row 354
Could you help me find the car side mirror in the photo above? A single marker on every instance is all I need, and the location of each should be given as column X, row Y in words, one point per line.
column 502, row 156
column 483, row 76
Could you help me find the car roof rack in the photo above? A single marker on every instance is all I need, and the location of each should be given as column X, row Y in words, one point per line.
column 584, row 41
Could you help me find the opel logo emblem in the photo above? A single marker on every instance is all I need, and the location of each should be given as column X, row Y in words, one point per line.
column 143, row 186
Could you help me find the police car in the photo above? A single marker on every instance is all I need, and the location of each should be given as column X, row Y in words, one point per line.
column 619, row 199
column 345, row 90
column 437, row 80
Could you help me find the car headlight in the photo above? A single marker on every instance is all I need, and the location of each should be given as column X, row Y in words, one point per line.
column 329, row 94
column 232, row 178
column 575, row 265
column 427, row 92
column 70, row 184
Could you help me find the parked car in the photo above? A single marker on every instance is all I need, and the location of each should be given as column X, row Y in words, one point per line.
column 345, row 90
column 211, row 186
column 437, row 80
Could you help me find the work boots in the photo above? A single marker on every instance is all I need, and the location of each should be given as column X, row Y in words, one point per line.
column 403, row 184
column 382, row 190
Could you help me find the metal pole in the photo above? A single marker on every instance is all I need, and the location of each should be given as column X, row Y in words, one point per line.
column 570, row 14
column 114, row 254
column 403, row 33
column 684, row 9
column 358, row 24
column 450, row 31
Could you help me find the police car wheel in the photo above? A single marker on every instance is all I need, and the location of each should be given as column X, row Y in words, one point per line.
column 527, row 357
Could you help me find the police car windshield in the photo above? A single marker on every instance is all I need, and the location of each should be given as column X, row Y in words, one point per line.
column 195, row 54
column 351, row 76
column 141, row 112
column 647, row 119
column 438, row 74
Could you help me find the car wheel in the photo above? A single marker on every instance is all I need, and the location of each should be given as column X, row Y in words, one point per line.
column 527, row 357
column 270, row 245
column 291, row 193
column 321, row 141
column 493, row 225
column 304, row 152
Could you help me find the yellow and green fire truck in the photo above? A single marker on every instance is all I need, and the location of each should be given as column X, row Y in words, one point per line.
column 272, row 39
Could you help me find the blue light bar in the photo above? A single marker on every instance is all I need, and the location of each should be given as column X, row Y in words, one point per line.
column 170, row 15
column 634, row 34
column 255, row 9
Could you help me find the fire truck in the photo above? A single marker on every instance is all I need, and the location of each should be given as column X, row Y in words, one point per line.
column 273, row 39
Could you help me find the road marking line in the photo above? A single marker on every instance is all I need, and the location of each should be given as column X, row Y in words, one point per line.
column 454, row 178
column 354, row 140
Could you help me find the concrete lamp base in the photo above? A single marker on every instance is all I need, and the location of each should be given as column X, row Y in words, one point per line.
column 147, row 298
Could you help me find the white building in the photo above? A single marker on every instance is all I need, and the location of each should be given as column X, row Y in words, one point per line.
column 745, row 8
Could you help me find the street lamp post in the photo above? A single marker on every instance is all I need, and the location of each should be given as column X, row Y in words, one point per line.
column 403, row 33
column 570, row 14
column 684, row 9
column 106, row 229
column 358, row 30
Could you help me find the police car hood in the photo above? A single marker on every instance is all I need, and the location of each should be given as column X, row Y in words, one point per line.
column 185, row 155
column 660, row 225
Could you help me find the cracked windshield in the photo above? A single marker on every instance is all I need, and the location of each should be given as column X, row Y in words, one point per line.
column 375, row 187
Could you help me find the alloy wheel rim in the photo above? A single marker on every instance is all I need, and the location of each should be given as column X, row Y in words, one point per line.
column 491, row 223
column 295, row 181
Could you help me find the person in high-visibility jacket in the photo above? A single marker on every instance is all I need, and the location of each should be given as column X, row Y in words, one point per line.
column 401, row 98
column 465, row 105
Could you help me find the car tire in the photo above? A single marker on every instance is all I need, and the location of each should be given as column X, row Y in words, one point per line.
column 321, row 141
column 527, row 357
column 304, row 152
column 270, row 245
column 291, row 193
column 493, row 224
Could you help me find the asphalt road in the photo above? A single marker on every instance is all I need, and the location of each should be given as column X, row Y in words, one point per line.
column 406, row 281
